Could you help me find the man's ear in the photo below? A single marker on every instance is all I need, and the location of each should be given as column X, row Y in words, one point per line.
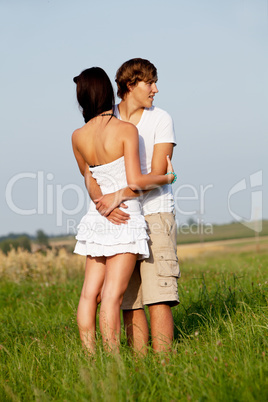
column 130, row 87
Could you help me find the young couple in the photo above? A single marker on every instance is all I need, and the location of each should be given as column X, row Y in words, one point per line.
column 129, row 233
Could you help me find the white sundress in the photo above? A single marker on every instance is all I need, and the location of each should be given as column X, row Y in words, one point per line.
column 96, row 236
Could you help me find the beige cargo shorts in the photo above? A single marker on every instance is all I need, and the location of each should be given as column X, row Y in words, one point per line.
column 154, row 279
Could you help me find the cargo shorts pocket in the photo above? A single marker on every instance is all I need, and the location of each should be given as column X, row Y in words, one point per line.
column 167, row 269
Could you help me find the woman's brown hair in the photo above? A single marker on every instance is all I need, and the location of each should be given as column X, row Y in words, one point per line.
column 94, row 92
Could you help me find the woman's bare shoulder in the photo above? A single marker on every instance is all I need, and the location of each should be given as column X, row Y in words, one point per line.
column 127, row 128
column 76, row 133
column 79, row 132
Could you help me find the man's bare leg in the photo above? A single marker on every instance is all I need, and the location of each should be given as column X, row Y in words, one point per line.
column 137, row 330
column 162, row 327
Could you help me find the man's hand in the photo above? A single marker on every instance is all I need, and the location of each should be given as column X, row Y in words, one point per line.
column 118, row 217
column 108, row 202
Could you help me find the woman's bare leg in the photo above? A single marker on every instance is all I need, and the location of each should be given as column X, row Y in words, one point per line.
column 119, row 269
column 89, row 299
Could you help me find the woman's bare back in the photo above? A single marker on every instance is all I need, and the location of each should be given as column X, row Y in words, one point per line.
column 100, row 141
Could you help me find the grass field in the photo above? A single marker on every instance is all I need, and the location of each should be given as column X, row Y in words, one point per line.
column 220, row 348
column 235, row 230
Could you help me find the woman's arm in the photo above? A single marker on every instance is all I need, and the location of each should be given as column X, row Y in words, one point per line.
column 91, row 185
column 79, row 158
column 106, row 203
column 136, row 180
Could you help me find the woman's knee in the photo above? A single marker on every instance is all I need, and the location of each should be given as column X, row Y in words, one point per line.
column 98, row 298
column 112, row 298
column 91, row 296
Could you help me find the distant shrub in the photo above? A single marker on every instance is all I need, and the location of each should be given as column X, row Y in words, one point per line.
column 42, row 238
column 23, row 242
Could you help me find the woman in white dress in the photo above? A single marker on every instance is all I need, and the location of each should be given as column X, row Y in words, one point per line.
column 111, row 148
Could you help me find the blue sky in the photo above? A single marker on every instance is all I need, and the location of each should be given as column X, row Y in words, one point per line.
column 212, row 63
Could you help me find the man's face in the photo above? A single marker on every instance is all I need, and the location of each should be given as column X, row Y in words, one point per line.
column 143, row 93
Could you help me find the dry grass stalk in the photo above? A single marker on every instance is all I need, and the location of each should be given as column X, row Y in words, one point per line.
column 51, row 266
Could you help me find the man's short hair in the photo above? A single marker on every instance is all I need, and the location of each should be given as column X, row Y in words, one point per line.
column 133, row 71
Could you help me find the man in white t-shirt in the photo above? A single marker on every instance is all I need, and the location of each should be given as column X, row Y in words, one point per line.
column 154, row 281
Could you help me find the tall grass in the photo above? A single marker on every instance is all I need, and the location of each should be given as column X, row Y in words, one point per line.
column 219, row 351
column 50, row 266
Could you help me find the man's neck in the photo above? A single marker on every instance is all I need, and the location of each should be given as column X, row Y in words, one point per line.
column 130, row 112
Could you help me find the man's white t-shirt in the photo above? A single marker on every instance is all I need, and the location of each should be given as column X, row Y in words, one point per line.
column 155, row 127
